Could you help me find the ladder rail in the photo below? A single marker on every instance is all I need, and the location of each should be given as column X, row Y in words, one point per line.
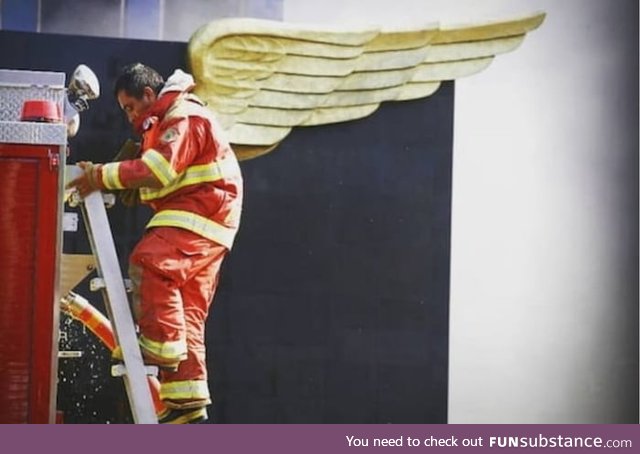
column 104, row 250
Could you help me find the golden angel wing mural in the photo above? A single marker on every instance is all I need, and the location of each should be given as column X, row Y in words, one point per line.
column 262, row 78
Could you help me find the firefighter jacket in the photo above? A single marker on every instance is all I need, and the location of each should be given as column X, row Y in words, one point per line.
column 186, row 171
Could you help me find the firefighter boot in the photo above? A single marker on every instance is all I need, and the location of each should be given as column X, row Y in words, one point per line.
column 183, row 416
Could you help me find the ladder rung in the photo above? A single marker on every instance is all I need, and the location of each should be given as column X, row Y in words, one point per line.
column 119, row 370
column 97, row 283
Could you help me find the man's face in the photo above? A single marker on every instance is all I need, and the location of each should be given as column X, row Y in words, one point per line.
column 133, row 107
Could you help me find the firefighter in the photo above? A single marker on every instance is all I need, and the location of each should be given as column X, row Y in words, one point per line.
column 187, row 172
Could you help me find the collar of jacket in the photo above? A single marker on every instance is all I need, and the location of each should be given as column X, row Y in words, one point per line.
column 156, row 111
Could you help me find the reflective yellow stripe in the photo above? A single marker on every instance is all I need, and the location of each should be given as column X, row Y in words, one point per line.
column 194, row 223
column 193, row 175
column 160, row 167
column 187, row 389
column 168, row 350
column 111, row 176
column 204, row 173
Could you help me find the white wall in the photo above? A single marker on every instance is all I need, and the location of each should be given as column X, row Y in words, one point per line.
column 544, row 307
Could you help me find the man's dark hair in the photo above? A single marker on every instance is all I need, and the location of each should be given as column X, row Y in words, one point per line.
column 133, row 78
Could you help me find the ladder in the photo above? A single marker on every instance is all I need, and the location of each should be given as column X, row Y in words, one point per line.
column 134, row 371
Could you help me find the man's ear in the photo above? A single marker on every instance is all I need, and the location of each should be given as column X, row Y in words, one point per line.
column 149, row 93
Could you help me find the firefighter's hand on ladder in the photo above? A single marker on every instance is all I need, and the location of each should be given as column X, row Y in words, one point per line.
column 88, row 181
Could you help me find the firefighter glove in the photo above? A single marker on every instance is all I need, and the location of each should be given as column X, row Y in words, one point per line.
column 89, row 181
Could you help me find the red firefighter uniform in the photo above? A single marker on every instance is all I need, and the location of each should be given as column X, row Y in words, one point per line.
column 189, row 175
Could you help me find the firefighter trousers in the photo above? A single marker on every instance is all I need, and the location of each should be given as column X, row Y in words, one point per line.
column 174, row 274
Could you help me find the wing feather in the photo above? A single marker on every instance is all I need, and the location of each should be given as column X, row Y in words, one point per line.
column 329, row 115
column 263, row 78
column 472, row 49
column 489, row 30
column 404, row 39
column 449, row 70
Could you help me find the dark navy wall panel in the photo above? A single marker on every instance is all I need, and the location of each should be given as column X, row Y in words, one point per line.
column 333, row 306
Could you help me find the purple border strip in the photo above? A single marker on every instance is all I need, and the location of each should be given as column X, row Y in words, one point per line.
column 319, row 439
